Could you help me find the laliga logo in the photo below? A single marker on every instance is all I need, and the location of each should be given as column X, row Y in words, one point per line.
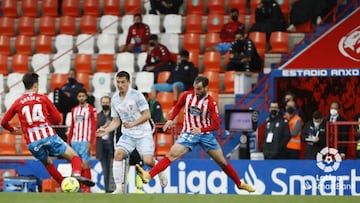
column 328, row 159
column 349, row 45
column 251, row 178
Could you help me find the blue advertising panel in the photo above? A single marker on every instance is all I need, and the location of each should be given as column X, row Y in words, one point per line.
column 327, row 176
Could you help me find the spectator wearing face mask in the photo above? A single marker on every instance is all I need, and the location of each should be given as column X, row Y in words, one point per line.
column 276, row 134
column 227, row 33
column 243, row 55
column 314, row 134
column 158, row 58
column 342, row 130
column 295, row 125
column 138, row 36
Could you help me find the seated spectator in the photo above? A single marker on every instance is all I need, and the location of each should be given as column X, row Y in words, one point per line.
column 181, row 78
column 138, row 36
column 227, row 33
column 165, row 6
column 309, row 10
column 158, row 57
column 268, row 18
column 314, row 134
column 243, row 55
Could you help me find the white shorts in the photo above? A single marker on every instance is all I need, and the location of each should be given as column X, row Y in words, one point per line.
column 144, row 145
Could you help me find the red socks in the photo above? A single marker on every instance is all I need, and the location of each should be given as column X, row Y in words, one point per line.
column 76, row 165
column 230, row 171
column 160, row 166
column 54, row 173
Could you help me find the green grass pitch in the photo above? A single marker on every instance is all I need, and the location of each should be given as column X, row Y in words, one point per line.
column 165, row 198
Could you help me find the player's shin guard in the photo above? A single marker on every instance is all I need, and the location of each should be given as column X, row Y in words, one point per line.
column 54, row 173
column 118, row 173
column 230, row 171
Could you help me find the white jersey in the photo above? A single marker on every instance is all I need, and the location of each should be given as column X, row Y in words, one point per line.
column 129, row 109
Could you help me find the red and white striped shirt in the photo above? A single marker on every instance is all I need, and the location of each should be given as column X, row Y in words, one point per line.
column 36, row 113
column 201, row 113
column 83, row 124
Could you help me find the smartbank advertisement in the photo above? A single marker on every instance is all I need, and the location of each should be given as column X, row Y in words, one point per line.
column 328, row 175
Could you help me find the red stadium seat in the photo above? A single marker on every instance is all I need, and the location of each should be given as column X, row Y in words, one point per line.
column 7, row 144
column 216, row 6
column 4, row 65
column 195, row 7
column 50, row 8
column 83, row 63
column 9, row 8
column 84, row 78
column 239, row 4
column 29, row 8
column 91, row 7
column 163, row 143
column 229, row 81
column 23, row 45
column 57, row 80
column 68, row 25
column 212, row 61
column 163, row 76
column 214, row 80
column 191, row 42
column 305, row 27
column 194, row 57
column 132, row 7
column 71, row 7
column 88, row 25
column 26, row 25
column 111, row 7
column 5, row 48
column 214, row 22
column 20, row 63
column 7, row 26
column 279, row 42
column 47, row 25
column 166, row 100
column 259, row 39
column 211, row 39
column 193, row 23
column 43, row 44
column 105, row 63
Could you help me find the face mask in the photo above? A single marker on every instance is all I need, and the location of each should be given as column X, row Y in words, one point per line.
column 273, row 112
column 137, row 24
column 105, row 107
column 333, row 112
column 152, row 44
column 290, row 110
column 316, row 124
column 234, row 18
column 71, row 80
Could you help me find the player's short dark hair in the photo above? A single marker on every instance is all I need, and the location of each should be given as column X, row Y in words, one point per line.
column 29, row 79
column 317, row 115
column 202, row 79
column 234, row 10
column 123, row 74
column 153, row 37
column 184, row 53
column 138, row 15
column 82, row 90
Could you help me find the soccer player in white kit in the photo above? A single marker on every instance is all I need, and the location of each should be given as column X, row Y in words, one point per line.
column 130, row 109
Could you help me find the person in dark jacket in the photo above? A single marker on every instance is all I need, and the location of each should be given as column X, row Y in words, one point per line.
column 165, row 6
column 268, row 18
column 181, row 78
column 314, row 134
column 105, row 145
column 276, row 134
column 243, row 54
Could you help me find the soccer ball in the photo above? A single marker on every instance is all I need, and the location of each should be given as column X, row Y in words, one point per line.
column 70, row 184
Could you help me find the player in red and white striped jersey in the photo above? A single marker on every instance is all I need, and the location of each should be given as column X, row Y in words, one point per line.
column 201, row 118
column 82, row 132
column 36, row 114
